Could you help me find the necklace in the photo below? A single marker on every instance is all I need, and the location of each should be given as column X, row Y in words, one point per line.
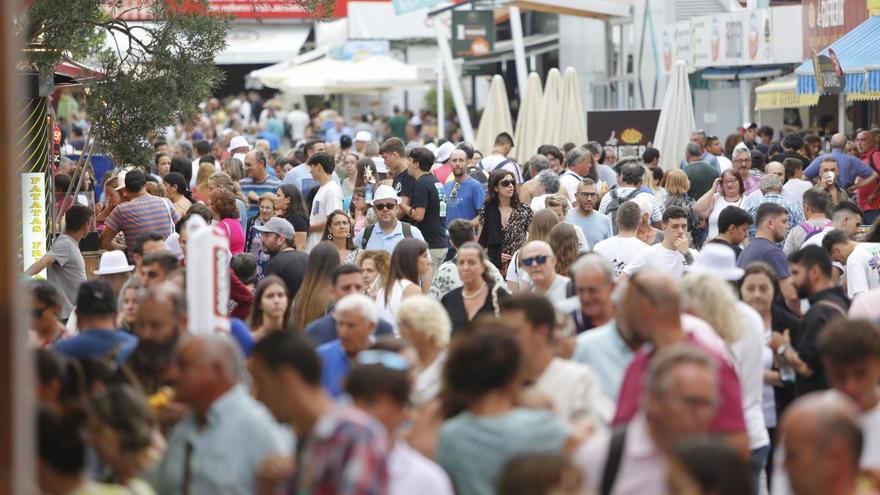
column 475, row 293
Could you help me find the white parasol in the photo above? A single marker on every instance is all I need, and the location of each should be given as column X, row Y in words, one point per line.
column 496, row 116
column 573, row 127
column 528, row 130
column 676, row 122
column 551, row 120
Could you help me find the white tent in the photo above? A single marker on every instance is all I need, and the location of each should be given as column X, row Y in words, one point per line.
column 550, row 120
column 326, row 75
column 573, row 127
column 676, row 122
column 374, row 73
column 496, row 116
column 527, row 136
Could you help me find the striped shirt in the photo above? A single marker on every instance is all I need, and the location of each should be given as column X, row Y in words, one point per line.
column 142, row 214
column 270, row 185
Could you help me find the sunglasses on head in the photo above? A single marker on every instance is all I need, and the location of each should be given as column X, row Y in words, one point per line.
column 386, row 359
column 384, row 206
column 534, row 260
column 506, row 182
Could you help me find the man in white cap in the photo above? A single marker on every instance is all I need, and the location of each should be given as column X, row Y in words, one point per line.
column 387, row 231
column 442, row 168
column 237, row 148
column 360, row 141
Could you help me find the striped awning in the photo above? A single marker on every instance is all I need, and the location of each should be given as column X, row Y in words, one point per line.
column 782, row 93
column 859, row 55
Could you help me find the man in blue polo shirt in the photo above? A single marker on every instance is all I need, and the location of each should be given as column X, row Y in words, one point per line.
column 96, row 319
column 356, row 319
column 464, row 194
column 854, row 173
column 388, row 230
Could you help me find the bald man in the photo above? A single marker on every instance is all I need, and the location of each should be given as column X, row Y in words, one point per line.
column 540, row 263
column 219, row 446
column 822, row 442
column 650, row 308
column 853, row 172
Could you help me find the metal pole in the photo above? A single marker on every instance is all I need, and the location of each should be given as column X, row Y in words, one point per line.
column 464, row 119
column 441, row 102
column 519, row 51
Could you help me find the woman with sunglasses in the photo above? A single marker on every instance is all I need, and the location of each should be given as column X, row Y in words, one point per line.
column 504, row 220
column 727, row 190
column 479, row 294
column 46, row 328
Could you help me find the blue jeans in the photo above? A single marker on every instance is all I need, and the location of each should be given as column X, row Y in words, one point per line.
column 756, row 464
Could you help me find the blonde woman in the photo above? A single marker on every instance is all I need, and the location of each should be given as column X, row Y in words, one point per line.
column 677, row 187
column 200, row 192
column 425, row 324
column 713, row 299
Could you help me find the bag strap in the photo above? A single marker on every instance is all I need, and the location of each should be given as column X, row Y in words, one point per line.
column 407, row 230
column 367, row 233
column 612, row 464
column 833, row 305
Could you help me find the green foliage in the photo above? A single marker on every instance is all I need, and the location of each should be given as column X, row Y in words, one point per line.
column 431, row 100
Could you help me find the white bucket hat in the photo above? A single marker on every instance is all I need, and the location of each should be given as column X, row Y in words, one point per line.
column 113, row 262
column 718, row 260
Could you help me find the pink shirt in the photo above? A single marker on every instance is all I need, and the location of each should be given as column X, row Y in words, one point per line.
column 752, row 183
column 442, row 172
column 231, row 227
column 729, row 416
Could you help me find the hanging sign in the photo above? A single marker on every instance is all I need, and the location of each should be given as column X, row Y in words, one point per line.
column 33, row 219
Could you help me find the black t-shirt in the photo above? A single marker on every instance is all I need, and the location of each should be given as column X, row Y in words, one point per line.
column 403, row 184
column 428, row 194
column 788, row 154
column 825, row 306
column 736, row 249
column 291, row 267
column 299, row 221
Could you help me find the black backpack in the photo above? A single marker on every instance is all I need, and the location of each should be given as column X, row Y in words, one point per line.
column 407, row 233
column 614, row 205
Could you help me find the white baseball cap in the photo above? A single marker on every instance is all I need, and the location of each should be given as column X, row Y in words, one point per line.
column 238, row 142
column 444, row 151
column 363, row 136
column 380, row 165
column 385, row 192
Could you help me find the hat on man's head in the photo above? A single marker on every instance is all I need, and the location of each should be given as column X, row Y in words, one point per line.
column 277, row 225
column 385, row 192
column 363, row 137
column 444, row 152
column 719, row 260
column 113, row 262
column 96, row 297
column 749, row 125
column 238, row 142
column 120, row 178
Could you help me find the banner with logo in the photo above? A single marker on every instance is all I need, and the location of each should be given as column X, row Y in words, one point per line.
column 633, row 129
column 473, row 37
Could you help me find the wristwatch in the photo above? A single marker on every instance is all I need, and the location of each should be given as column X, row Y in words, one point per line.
column 780, row 351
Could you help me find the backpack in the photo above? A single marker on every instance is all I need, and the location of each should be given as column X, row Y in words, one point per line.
column 811, row 231
column 614, row 204
column 407, row 233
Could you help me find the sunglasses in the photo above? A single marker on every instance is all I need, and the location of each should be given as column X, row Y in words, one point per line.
column 534, row 260
column 386, row 359
column 454, row 193
column 384, row 206
column 507, row 183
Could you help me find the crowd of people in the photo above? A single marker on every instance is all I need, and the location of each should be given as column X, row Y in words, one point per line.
column 433, row 319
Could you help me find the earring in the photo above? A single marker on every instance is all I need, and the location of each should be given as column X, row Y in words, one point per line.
column 348, row 235
column 330, row 237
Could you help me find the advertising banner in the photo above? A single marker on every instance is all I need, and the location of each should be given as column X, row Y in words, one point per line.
column 634, row 129
column 33, row 219
column 473, row 36
column 825, row 21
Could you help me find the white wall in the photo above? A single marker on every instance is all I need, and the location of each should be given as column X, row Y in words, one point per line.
column 582, row 46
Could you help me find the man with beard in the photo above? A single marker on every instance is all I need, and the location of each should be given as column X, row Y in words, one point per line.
column 161, row 320
column 464, row 194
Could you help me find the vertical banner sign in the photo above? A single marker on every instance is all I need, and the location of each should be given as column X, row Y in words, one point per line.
column 473, row 37
column 207, row 278
column 33, row 219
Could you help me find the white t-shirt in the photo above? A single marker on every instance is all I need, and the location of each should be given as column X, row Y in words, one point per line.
column 558, row 288
column 327, row 199
column 491, row 161
column 575, row 392
column 793, row 191
column 720, row 204
column 620, row 251
column 724, row 163
column 748, row 354
column 669, row 260
column 411, row 472
column 863, row 268
column 870, row 422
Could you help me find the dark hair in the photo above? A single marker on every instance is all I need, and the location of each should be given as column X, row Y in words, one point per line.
column 537, row 309
column 759, row 160
column 742, row 186
column 657, row 173
column 762, row 268
column 344, row 269
column 345, row 141
column 324, row 160
column 61, row 444
column 199, row 209
column 536, row 473
column 51, row 366
column 165, row 259
column 310, row 144
column 256, row 316
column 793, row 141
column 125, row 410
column 629, row 216
column 811, row 256
column 833, row 238
column 297, row 203
column 650, row 155
column 733, row 216
column 46, row 292
column 290, row 349
column 481, row 253
column 791, row 166
column 62, row 183
column 503, row 139
column 467, row 148
column 313, row 296
column 183, row 167
column 551, row 150
column 244, row 265
column 223, row 202
column 349, row 241
column 847, row 206
column 812, row 139
column 393, row 145
column 371, row 381
column 632, row 173
column 817, row 199
column 460, row 231
column 495, row 177
column 423, row 158
column 477, row 364
column 362, row 165
column 211, row 159
column 95, row 298
column 202, row 147
column 765, row 130
column 404, row 263
column 846, row 341
column 768, row 210
column 182, row 185
column 714, row 465
column 77, row 217
column 674, row 212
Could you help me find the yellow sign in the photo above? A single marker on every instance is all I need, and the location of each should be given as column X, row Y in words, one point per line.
column 33, row 219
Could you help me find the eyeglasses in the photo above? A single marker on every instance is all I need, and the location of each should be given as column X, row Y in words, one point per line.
column 384, row 206
column 586, row 194
column 387, row 359
column 507, row 183
column 743, row 160
column 539, row 260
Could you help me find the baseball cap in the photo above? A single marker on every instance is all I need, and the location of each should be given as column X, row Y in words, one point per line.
column 238, row 142
column 749, row 125
column 277, row 225
column 120, row 182
column 95, row 297
column 134, row 180
column 385, row 192
column 363, row 136
column 444, row 151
